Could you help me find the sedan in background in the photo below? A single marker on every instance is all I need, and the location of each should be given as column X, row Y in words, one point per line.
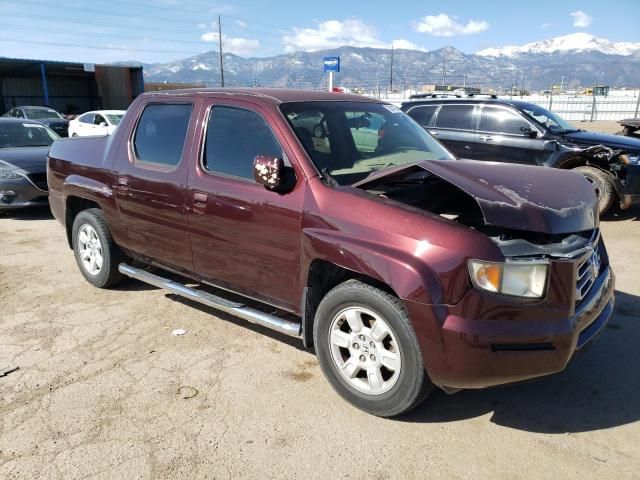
column 24, row 145
column 45, row 115
column 97, row 123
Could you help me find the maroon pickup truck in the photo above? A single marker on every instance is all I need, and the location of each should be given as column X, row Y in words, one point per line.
column 403, row 267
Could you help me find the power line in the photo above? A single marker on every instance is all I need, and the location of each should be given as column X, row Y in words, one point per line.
column 58, row 44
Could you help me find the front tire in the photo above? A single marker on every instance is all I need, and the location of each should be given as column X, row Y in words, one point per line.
column 603, row 185
column 368, row 350
column 96, row 253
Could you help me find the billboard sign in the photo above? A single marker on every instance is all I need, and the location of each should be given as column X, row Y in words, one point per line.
column 331, row 64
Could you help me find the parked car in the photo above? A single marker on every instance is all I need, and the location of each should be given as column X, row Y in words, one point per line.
column 45, row 115
column 97, row 123
column 402, row 266
column 501, row 130
column 23, row 163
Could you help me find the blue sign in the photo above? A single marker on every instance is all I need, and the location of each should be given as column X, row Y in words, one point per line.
column 331, row 64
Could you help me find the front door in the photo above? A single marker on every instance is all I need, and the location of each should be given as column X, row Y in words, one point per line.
column 504, row 135
column 244, row 237
column 151, row 178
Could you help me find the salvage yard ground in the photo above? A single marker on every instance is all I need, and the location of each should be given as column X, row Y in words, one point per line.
column 104, row 390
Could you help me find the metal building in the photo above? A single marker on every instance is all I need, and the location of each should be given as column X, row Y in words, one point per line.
column 70, row 88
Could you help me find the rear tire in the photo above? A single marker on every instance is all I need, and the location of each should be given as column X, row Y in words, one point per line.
column 603, row 184
column 368, row 350
column 96, row 253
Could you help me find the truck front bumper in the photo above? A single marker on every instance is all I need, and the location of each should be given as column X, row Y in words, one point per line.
column 477, row 353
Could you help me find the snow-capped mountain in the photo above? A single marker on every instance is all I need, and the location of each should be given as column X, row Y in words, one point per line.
column 576, row 42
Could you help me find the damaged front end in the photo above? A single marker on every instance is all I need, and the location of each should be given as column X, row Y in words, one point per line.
column 622, row 168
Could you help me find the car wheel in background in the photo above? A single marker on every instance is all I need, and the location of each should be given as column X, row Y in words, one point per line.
column 96, row 253
column 368, row 350
column 603, row 185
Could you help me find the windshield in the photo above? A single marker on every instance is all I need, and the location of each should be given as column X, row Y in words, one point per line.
column 38, row 113
column 114, row 118
column 350, row 140
column 25, row 135
column 550, row 120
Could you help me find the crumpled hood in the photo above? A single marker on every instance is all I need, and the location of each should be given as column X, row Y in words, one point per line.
column 29, row 159
column 518, row 197
column 627, row 144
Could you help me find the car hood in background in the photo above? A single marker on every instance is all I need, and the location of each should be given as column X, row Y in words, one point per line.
column 614, row 141
column 29, row 159
column 518, row 197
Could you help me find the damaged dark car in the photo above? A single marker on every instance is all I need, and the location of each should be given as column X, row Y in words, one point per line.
column 501, row 130
column 404, row 268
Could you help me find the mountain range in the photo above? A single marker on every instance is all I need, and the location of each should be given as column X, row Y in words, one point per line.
column 583, row 60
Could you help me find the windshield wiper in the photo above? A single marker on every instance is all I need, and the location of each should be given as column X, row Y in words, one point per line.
column 328, row 178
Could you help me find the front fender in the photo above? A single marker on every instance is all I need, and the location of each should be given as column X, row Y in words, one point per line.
column 409, row 276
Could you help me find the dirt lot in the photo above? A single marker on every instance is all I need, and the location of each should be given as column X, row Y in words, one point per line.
column 105, row 390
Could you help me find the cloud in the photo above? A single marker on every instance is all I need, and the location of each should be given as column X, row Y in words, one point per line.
column 236, row 45
column 581, row 19
column 334, row 33
column 544, row 26
column 443, row 25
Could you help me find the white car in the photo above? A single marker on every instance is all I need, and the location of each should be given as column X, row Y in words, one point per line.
column 96, row 123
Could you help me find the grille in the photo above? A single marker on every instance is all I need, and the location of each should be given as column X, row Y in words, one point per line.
column 39, row 180
column 588, row 271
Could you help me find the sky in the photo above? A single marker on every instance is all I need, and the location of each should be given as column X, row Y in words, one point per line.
column 154, row 31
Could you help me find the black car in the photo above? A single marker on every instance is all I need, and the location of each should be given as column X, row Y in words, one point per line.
column 24, row 145
column 45, row 115
column 520, row 132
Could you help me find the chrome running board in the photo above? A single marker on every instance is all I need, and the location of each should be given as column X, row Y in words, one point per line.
column 236, row 309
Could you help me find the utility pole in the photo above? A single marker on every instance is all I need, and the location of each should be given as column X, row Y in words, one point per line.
column 220, row 44
column 561, row 82
column 444, row 69
column 391, row 73
column 465, row 81
column 522, row 88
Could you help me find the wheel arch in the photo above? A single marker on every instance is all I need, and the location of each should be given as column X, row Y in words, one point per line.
column 335, row 261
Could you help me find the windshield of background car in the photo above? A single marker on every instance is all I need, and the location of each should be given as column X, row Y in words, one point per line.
column 114, row 119
column 550, row 120
column 25, row 135
column 39, row 113
column 350, row 140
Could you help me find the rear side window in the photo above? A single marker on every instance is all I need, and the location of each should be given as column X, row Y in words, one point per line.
column 234, row 138
column 161, row 132
column 459, row 117
column 501, row 120
column 423, row 115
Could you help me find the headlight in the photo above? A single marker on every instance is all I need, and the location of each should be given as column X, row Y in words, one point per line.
column 520, row 279
column 6, row 174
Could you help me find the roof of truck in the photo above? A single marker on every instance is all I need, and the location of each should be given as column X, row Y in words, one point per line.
column 275, row 95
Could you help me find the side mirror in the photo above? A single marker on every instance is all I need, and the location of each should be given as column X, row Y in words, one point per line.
column 269, row 171
column 103, row 124
column 529, row 132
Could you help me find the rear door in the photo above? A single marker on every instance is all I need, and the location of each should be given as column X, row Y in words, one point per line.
column 151, row 178
column 245, row 237
column 502, row 136
column 454, row 126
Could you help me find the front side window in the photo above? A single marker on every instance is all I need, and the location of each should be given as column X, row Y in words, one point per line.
column 502, row 120
column 359, row 138
column 114, row 118
column 234, row 138
column 458, row 117
column 423, row 114
column 161, row 132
